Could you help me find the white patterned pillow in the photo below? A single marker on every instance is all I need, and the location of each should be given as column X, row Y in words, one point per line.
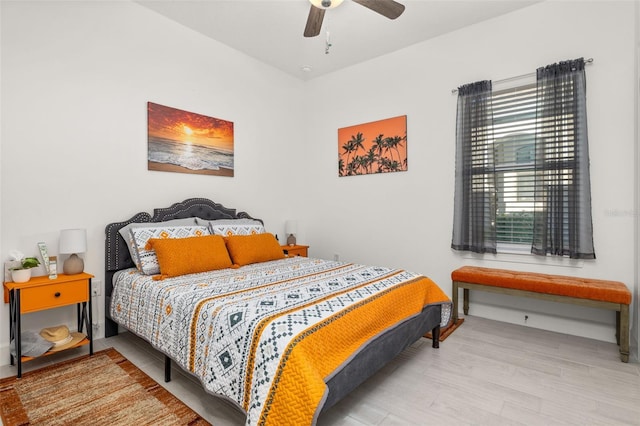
column 125, row 231
column 146, row 260
column 228, row 227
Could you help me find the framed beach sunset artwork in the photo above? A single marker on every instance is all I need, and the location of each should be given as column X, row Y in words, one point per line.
column 375, row 147
column 185, row 142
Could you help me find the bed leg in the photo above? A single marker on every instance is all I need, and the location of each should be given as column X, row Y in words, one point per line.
column 110, row 327
column 435, row 337
column 167, row 369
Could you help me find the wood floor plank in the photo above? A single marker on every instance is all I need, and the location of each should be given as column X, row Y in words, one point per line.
column 485, row 373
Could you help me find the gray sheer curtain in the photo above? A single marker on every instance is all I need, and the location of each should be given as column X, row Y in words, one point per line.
column 475, row 196
column 562, row 217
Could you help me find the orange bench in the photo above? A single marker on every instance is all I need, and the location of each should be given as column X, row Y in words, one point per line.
column 604, row 294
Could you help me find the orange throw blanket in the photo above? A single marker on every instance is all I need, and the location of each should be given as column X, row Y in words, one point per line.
column 299, row 387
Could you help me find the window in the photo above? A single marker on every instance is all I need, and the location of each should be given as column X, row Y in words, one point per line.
column 522, row 166
column 514, row 126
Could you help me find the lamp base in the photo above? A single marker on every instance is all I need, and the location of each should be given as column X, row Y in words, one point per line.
column 291, row 240
column 73, row 265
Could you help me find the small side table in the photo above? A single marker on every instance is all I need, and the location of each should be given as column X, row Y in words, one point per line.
column 296, row 250
column 42, row 293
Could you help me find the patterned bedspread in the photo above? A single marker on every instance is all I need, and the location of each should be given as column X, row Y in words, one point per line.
column 280, row 326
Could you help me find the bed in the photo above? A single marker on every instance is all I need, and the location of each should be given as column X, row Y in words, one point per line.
column 282, row 338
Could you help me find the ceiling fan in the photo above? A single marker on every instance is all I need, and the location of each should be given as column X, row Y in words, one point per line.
column 389, row 8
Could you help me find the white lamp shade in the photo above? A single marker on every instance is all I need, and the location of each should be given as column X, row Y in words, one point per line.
column 73, row 241
column 291, row 227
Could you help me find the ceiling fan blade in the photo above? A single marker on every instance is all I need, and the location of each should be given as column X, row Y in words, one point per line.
column 389, row 8
column 314, row 22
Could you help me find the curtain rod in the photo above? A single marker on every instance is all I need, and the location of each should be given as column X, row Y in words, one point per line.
column 517, row 77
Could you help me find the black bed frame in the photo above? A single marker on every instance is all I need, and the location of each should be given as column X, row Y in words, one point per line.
column 366, row 363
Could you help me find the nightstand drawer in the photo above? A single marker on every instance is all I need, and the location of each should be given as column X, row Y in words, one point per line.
column 295, row 250
column 50, row 296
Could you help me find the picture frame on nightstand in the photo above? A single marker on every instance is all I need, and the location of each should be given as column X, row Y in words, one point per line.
column 45, row 256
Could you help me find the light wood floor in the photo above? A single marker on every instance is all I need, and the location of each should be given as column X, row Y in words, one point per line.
column 485, row 373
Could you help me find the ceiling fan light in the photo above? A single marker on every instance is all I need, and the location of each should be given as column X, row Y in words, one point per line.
column 326, row 4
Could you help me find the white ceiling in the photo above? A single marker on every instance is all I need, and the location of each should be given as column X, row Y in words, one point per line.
column 271, row 30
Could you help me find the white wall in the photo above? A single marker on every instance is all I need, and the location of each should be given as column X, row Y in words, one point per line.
column 635, row 334
column 76, row 79
column 405, row 219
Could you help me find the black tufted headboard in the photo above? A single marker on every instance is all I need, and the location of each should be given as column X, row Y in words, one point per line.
column 116, row 252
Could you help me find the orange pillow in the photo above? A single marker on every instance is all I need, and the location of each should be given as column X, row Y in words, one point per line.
column 180, row 256
column 246, row 249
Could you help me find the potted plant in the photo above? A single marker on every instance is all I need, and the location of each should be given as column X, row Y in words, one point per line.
column 22, row 273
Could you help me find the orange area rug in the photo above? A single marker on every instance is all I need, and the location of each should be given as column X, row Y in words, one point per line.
column 103, row 389
column 446, row 331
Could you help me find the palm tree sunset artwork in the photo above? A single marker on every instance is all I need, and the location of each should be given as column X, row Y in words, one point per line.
column 185, row 142
column 375, row 147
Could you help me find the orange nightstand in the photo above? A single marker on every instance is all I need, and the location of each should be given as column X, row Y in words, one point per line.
column 41, row 293
column 296, row 250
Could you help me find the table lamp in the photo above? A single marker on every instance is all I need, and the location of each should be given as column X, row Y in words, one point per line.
column 291, row 228
column 73, row 241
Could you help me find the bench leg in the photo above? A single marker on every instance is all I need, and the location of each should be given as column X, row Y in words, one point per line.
column 623, row 332
column 465, row 303
column 454, row 297
column 618, row 328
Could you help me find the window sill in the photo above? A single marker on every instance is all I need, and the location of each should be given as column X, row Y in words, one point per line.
column 516, row 253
